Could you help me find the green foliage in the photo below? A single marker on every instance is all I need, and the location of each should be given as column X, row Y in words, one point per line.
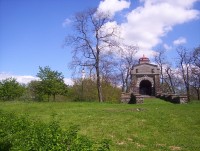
column 35, row 91
column 10, row 89
column 110, row 93
column 19, row 133
column 83, row 90
column 51, row 83
column 86, row 90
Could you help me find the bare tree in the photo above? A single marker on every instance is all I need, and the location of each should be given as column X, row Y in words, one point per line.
column 160, row 59
column 196, row 56
column 91, row 40
column 127, row 61
column 195, row 77
column 184, row 62
column 195, row 81
column 108, row 68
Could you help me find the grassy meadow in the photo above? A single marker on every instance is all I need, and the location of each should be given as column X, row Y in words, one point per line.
column 154, row 125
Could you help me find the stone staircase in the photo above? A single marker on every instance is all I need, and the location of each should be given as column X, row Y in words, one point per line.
column 147, row 96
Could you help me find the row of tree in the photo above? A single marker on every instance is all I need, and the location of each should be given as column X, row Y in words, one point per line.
column 50, row 86
column 50, row 83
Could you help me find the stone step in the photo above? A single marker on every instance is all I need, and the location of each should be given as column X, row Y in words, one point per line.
column 147, row 96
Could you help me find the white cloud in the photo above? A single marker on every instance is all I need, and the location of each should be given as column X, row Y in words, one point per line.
column 66, row 22
column 113, row 6
column 146, row 25
column 68, row 81
column 179, row 41
column 167, row 47
column 25, row 79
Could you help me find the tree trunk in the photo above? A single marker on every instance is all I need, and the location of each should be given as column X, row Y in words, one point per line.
column 170, row 80
column 161, row 72
column 99, row 88
column 187, row 84
column 126, row 81
column 123, row 86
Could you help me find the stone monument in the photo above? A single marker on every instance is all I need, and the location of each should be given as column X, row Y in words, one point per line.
column 145, row 81
column 145, row 78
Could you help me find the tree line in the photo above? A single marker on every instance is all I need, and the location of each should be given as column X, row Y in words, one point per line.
column 50, row 86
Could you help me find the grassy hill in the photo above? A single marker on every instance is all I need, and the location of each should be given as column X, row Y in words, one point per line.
column 154, row 125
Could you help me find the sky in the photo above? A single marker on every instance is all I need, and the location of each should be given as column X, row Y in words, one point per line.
column 32, row 32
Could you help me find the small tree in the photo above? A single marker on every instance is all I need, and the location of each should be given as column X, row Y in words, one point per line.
column 52, row 82
column 10, row 89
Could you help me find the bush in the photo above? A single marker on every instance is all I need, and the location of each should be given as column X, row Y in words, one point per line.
column 10, row 89
column 86, row 90
column 19, row 133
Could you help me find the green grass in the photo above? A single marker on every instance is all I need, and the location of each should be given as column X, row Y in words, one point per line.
column 154, row 125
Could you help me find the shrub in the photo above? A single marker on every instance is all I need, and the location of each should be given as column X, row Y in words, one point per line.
column 10, row 89
column 19, row 133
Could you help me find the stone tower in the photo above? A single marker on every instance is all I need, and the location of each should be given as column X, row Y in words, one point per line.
column 145, row 78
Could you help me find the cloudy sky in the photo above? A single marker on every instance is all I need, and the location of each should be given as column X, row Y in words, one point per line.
column 32, row 32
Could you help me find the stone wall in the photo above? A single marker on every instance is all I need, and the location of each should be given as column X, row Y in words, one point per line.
column 173, row 98
column 125, row 97
column 131, row 98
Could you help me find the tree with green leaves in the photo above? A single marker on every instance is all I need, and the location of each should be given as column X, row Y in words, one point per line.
column 10, row 89
column 52, row 82
column 35, row 90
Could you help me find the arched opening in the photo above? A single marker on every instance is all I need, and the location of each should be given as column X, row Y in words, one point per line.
column 145, row 87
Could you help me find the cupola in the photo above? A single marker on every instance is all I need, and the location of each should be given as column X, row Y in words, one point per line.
column 144, row 60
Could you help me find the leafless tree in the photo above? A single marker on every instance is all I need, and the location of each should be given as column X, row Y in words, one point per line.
column 160, row 59
column 91, row 40
column 196, row 56
column 195, row 81
column 108, row 68
column 126, row 63
column 184, row 62
column 195, row 77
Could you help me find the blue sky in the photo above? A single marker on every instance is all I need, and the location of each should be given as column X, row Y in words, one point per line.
column 32, row 32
